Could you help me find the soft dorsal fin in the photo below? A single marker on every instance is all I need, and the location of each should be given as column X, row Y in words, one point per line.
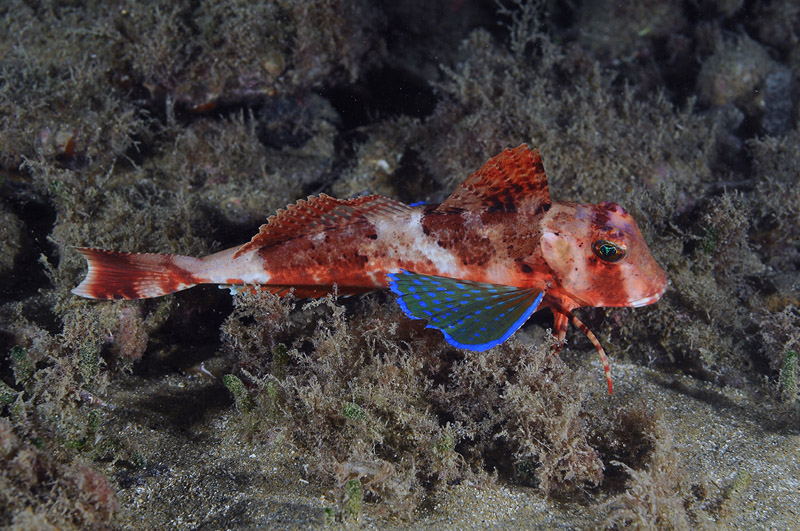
column 319, row 213
column 512, row 181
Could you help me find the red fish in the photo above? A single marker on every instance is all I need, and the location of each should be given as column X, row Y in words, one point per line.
column 475, row 267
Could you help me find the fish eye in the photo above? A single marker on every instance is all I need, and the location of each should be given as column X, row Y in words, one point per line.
column 609, row 251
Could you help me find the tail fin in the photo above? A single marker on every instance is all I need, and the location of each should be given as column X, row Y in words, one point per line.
column 116, row 275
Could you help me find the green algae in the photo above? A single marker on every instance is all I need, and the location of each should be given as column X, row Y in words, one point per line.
column 353, row 412
column 789, row 372
column 244, row 402
column 89, row 365
column 22, row 365
column 7, row 394
column 354, row 499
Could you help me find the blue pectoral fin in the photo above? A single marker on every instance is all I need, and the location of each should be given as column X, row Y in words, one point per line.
column 471, row 315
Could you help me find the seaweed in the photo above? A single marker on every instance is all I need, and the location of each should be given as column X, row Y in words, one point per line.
column 364, row 399
column 77, row 495
column 658, row 495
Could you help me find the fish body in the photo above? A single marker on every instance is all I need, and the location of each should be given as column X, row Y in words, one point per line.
column 475, row 267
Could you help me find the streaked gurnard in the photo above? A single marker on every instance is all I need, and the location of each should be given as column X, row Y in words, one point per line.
column 475, row 267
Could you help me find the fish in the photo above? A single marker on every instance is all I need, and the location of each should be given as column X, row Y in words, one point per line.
column 475, row 267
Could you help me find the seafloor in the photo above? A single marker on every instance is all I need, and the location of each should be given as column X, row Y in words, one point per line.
column 179, row 127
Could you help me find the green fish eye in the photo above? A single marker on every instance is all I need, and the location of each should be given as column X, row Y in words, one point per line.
column 608, row 251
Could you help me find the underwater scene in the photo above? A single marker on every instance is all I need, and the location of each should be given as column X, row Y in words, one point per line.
column 517, row 264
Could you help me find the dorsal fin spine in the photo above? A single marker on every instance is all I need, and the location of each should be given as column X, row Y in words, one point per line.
column 512, row 181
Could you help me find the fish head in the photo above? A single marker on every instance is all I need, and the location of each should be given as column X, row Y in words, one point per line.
column 598, row 256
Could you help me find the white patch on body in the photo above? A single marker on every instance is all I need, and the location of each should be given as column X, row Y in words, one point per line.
column 254, row 277
column 249, row 268
column 403, row 240
column 373, row 277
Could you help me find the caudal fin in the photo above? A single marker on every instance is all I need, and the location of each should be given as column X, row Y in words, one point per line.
column 116, row 275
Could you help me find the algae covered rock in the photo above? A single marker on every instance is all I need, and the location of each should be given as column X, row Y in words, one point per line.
column 742, row 73
column 11, row 235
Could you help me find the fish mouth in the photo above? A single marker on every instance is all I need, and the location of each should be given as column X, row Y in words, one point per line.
column 650, row 299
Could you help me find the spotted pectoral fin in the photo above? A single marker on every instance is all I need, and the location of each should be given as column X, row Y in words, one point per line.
column 471, row 315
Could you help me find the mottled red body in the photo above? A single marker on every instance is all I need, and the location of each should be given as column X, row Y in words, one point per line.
column 499, row 227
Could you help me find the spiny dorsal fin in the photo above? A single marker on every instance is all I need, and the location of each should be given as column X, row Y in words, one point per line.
column 512, row 181
column 319, row 213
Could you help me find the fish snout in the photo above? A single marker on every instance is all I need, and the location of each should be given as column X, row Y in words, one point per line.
column 654, row 284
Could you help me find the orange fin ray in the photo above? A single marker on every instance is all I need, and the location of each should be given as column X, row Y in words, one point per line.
column 560, row 322
column 596, row 342
column 319, row 213
column 118, row 275
column 512, row 181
